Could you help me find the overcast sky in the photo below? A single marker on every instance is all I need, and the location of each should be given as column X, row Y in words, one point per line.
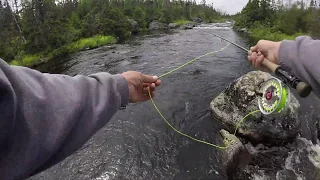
column 234, row 6
column 228, row 6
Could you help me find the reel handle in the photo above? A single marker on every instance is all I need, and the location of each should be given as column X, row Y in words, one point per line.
column 303, row 88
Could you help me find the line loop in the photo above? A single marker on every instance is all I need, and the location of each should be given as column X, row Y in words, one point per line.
column 226, row 141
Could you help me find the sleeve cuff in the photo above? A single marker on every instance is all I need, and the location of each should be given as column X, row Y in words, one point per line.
column 285, row 55
column 123, row 89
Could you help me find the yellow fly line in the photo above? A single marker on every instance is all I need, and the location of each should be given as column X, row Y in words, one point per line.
column 227, row 142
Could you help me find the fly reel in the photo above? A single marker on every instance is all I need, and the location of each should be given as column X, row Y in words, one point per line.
column 275, row 96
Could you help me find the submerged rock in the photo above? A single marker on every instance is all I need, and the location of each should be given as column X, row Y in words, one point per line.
column 189, row 25
column 304, row 160
column 299, row 160
column 266, row 162
column 240, row 99
column 286, row 175
column 235, row 156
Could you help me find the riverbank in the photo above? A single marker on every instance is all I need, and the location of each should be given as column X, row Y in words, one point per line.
column 264, row 33
column 30, row 60
column 257, row 34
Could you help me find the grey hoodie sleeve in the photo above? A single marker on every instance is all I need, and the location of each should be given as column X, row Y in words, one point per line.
column 46, row 117
column 302, row 57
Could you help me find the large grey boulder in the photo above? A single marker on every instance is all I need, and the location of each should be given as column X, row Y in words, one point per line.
column 134, row 25
column 156, row 25
column 197, row 20
column 240, row 99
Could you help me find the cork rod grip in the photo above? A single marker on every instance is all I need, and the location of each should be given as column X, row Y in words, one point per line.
column 270, row 65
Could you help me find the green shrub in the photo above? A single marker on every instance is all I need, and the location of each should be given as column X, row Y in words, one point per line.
column 82, row 44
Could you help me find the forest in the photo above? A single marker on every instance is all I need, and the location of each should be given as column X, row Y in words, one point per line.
column 44, row 29
column 278, row 20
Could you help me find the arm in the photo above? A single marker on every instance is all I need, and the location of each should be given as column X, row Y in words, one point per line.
column 302, row 58
column 45, row 118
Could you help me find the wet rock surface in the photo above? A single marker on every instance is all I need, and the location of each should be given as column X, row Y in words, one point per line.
column 189, row 25
column 294, row 158
column 299, row 160
column 235, row 155
column 240, row 98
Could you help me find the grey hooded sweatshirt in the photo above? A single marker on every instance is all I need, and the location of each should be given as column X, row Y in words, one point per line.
column 46, row 117
column 302, row 58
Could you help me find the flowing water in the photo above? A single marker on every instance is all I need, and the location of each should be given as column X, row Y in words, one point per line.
column 137, row 143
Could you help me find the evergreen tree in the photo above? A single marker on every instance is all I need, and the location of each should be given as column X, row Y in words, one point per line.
column 46, row 25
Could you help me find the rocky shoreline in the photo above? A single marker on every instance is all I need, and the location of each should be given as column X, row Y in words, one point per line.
column 273, row 144
column 158, row 26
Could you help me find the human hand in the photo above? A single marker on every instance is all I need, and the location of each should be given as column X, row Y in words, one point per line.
column 264, row 49
column 138, row 85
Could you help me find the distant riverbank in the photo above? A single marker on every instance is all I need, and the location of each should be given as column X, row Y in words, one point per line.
column 257, row 34
column 82, row 44
column 32, row 60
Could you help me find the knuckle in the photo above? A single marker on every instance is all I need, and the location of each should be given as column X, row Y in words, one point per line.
column 260, row 42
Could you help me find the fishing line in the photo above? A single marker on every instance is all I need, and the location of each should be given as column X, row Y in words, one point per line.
column 226, row 141
column 241, row 47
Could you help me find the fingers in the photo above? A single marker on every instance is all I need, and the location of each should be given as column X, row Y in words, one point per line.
column 258, row 46
column 146, row 97
column 148, row 79
column 256, row 59
column 258, row 63
column 151, row 87
column 254, row 48
column 158, row 82
column 253, row 59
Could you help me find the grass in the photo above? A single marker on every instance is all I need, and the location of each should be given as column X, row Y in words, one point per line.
column 27, row 60
column 92, row 42
column 266, row 34
column 182, row 22
column 82, row 44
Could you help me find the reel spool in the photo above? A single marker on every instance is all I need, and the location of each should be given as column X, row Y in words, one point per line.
column 275, row 96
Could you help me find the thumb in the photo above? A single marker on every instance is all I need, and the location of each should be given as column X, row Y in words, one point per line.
column 254, row 48
column 148, row 79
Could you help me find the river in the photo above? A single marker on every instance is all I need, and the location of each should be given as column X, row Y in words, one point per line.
column 137, row 143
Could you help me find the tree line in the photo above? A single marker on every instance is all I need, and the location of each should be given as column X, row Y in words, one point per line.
column 276, row 17
column 41, row 26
